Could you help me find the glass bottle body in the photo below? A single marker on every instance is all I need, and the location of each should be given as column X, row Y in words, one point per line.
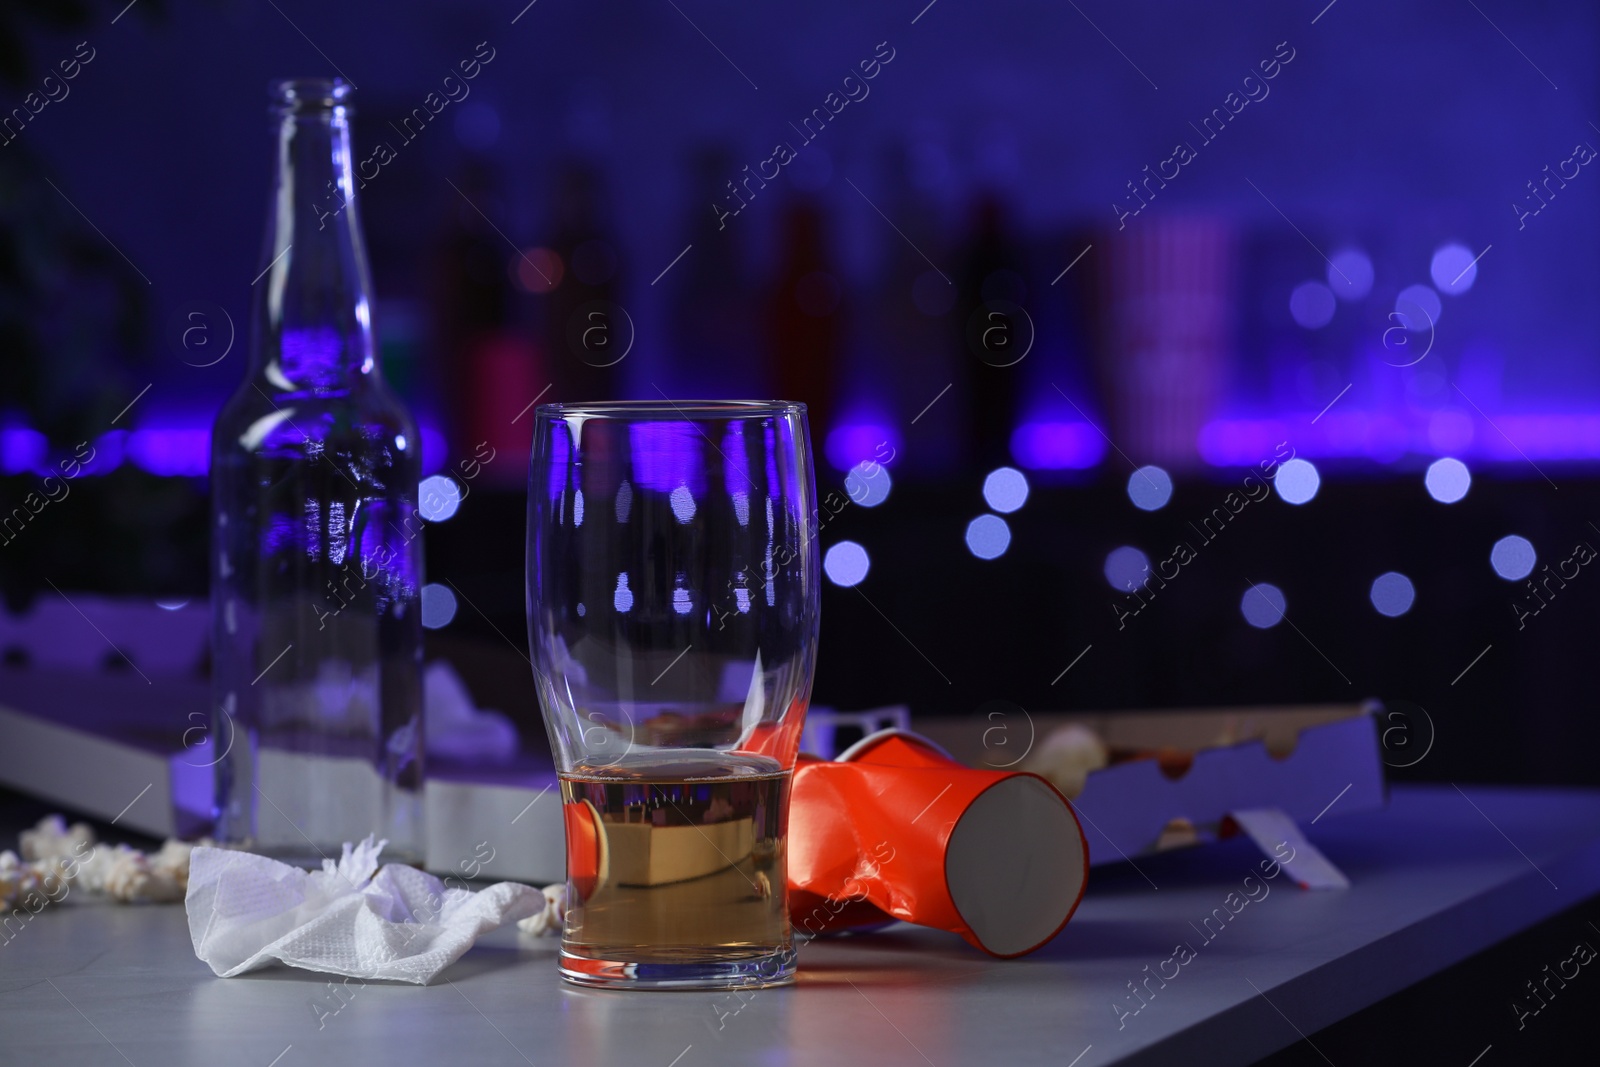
column 316, row 539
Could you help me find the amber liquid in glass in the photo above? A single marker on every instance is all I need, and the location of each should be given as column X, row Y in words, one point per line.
column 674, row 863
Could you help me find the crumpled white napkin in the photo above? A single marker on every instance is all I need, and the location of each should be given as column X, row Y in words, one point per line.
column 245, row 911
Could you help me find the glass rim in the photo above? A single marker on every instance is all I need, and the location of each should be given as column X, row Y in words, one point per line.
column 682, row 409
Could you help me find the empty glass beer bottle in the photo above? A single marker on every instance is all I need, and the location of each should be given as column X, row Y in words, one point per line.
column 316, row 547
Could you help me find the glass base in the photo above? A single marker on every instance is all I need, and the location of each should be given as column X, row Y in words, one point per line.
column 697, row 971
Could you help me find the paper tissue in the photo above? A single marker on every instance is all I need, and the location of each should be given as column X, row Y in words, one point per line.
column 248, row 911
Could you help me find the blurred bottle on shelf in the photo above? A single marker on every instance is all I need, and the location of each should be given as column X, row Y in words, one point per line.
column 587, row 331
column 910, row 358
column 996, row 332
column 804, row 317
column 400, row 347
column 1167, row 333
column 493, row 366
column 713, row 319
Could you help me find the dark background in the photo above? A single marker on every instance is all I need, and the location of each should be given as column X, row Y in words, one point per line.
column 992, row 152
column 988, row 155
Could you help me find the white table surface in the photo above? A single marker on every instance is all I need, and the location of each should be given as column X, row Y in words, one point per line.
column 1437, row 876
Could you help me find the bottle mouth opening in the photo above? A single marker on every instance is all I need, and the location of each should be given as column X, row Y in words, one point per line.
column 298, row 95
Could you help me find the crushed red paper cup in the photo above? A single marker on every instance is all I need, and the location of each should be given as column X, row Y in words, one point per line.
column 897, row 829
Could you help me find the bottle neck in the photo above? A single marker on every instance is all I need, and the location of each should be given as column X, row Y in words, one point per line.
column 313, row 321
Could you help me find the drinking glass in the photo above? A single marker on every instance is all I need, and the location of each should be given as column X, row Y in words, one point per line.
column 672, row 615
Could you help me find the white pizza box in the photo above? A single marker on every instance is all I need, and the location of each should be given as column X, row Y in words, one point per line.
column 132, row 750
